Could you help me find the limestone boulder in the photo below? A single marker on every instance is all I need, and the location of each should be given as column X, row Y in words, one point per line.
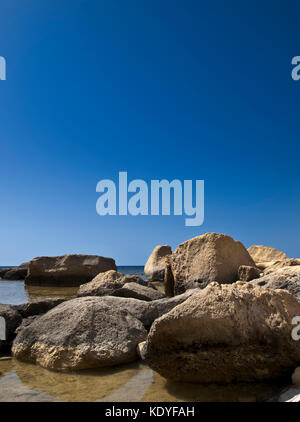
column 155, row 266
column 144, row 311
column 105, row 284
column 225, row 334
column 67, row 270
column 287, row 278
column 207, row 258
column 81, row 333
column 264, row 256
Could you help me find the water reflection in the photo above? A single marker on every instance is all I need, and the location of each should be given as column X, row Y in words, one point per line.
column 135, row 382
column 35, row 293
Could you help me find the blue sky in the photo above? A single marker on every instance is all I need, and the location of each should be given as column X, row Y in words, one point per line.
column 160, row 89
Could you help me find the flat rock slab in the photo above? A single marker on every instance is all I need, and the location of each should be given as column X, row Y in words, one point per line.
column 67, row 270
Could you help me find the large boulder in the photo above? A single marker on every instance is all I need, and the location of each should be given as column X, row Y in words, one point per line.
column 138, row 291
column 79, row 334
column 67, row 270
column 11, row 319
column 105, row 284
column 207, row 258
column 264, row 256
column 287, row 278
column 142, row 310
column 155, row 266
column 225, row 334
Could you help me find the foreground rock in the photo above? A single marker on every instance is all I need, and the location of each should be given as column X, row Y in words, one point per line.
column 264, row 256
column 17, row 273
column 287, row 278
column 138, row 292
column 12, row 320
column 207, row 258
column 67, row 270
column 79, row 334
column 155, row 266
column 225, row 334
column 105, row 284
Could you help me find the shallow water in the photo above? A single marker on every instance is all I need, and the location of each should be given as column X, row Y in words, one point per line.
column 135, row 382
column 15, row 292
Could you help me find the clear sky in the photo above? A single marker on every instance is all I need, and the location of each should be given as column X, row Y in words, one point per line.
column 160, row 89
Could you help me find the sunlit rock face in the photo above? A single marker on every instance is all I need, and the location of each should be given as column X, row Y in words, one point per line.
column 79, row 334
column 226, row 333
column 207, row 258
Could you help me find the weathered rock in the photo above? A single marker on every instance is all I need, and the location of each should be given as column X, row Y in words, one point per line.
column 264, row 256
column 37, row 308
column 287, row 278
column 12, row 320
column 67, row 270
column 138, row 291
column 16, row 273
column 207, row 258
column 155, row 266
column 289, row 262
column 247, row 273
column 166, row 304
column 105, row 284
column 225, row 334
column 144, row 311
column 79, row 334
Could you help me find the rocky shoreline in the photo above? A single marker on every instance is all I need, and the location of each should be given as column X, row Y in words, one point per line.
column 225, row 315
